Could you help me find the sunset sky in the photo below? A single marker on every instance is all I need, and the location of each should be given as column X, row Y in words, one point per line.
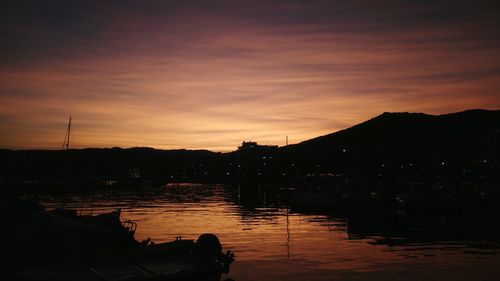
column 210, row 74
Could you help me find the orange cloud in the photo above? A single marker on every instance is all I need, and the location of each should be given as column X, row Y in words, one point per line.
column 196, row 79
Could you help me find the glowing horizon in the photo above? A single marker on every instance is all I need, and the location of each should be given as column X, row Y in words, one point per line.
column 210, row 74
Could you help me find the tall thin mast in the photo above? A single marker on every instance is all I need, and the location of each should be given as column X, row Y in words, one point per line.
column 67, row 136
column 69, row 133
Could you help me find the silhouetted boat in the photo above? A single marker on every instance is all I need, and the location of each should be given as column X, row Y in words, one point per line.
column 61, row 245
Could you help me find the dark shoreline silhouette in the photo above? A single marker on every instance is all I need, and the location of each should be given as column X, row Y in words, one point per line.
column 393, row 149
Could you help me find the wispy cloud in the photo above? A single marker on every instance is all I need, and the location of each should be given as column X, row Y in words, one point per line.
column 211, row 74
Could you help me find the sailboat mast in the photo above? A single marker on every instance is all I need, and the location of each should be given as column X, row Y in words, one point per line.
column 67, row 136
column 69, row 133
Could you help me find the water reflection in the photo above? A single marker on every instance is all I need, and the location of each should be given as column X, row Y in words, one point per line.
column 273, row 243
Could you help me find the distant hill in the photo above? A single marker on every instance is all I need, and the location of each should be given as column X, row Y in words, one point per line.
column 106, row 163
column 390, row 147
column 415, row 138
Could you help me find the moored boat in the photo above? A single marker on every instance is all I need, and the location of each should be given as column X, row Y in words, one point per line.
column 61, row 245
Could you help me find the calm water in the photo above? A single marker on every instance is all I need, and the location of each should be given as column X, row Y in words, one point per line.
column 272, row 243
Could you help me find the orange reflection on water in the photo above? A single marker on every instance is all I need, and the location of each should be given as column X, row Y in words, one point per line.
column 272, row 244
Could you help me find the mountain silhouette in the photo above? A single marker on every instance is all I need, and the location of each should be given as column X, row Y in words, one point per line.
column 411, row 138
column 413, row 128
column 394, row 145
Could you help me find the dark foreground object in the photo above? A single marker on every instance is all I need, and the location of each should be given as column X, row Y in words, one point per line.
column 61, row 245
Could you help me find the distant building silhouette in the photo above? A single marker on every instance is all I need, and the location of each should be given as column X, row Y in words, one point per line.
column 251, row 146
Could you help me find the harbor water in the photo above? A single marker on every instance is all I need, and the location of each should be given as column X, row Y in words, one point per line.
column 273, row 242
